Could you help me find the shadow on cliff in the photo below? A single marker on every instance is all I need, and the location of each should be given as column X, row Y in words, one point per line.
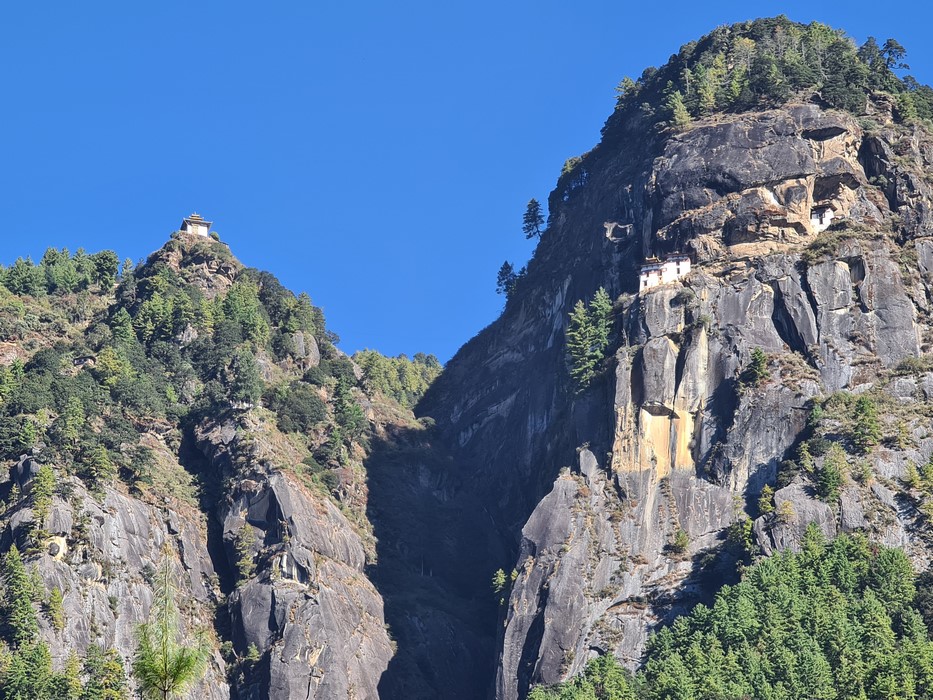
column 210, row 479
column 436, row 553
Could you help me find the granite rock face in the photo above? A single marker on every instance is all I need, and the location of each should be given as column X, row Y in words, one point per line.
column 101, row 552
column 594, row 490
column 303, row 601
column 609, row 508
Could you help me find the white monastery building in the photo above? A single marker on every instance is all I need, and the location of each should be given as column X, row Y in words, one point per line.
column 655, row 272
column 196, row 225
column 821, row 216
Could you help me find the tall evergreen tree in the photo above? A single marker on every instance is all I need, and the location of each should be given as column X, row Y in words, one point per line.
column 533, row 219
column 106, row 679
column 587, row 337
column 20, row 615
column 679, row 117
column 505, row 280
column 165, row 667
column 67, row 684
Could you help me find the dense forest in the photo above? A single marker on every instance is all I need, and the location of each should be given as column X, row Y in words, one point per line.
column 840, row 619
column 754, row 64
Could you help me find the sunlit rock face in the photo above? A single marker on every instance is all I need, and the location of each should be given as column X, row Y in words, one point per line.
column 595, row 486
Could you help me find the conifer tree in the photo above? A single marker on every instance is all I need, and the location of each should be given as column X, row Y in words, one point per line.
column 43, row 487
column 245, row 382
column 600, row 313
column 106, row 264
column 121, row 325
column 165, row 667
column 587, row 337
column 67, row 684
column 679, row 116
column 55, row 608
column 505, row 280
column 20, row 615
column 580, row 340
column 867, row 430
column 29, row 676
column 73, row 420
column 533, row 219
column 106, row 678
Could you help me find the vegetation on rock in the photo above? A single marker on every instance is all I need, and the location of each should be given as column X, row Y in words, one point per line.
column 533, row 219
column 764, row 62
column 838, row 619
column 164, row 667
column 405, row 380
column 588, row 337
column 25, row 662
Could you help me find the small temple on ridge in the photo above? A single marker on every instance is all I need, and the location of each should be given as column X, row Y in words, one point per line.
column 196, row 224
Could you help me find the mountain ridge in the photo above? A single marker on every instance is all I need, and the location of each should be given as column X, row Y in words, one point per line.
column 524, row 520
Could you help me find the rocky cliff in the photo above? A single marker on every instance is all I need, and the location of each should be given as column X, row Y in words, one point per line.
column 626, row 502
column 330, row 545
column 199, row 413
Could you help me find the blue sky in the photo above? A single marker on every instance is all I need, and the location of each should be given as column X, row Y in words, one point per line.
column 376, row 155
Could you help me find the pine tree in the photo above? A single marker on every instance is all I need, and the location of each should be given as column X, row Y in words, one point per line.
column 20, row 615
column 587, row 337
column 505, row 280
column 600, row 313
column 67, row 684
column 831, row 474
column 73, row 420
column 25, row 278
column 866, row 432
column 165, row 667
column 99, row 467
column 29, row 676
column 106, row 264
column 625, row 88
column 580, row 340
column 55, row 608
column 766, row 500
column 245, row 383
column 679, row 117
column 121, row 325
column 43, row 488
column 106, row 677
column 756, row 372
column 533, row 219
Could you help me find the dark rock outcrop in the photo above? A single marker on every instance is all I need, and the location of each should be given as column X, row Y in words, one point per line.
column 306, row 604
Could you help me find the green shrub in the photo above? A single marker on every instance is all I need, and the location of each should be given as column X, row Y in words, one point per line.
column 757, row 372
column 680, row 542
column 297, row 407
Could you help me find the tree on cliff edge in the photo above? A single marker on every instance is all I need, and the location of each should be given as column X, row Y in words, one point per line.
column 533, row 219
column 505, row 280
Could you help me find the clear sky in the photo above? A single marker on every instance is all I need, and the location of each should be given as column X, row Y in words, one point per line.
column 378, row 155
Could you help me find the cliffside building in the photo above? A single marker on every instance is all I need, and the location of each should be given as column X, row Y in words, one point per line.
column 821, row 216
column 196, row 225
column 655, row 272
